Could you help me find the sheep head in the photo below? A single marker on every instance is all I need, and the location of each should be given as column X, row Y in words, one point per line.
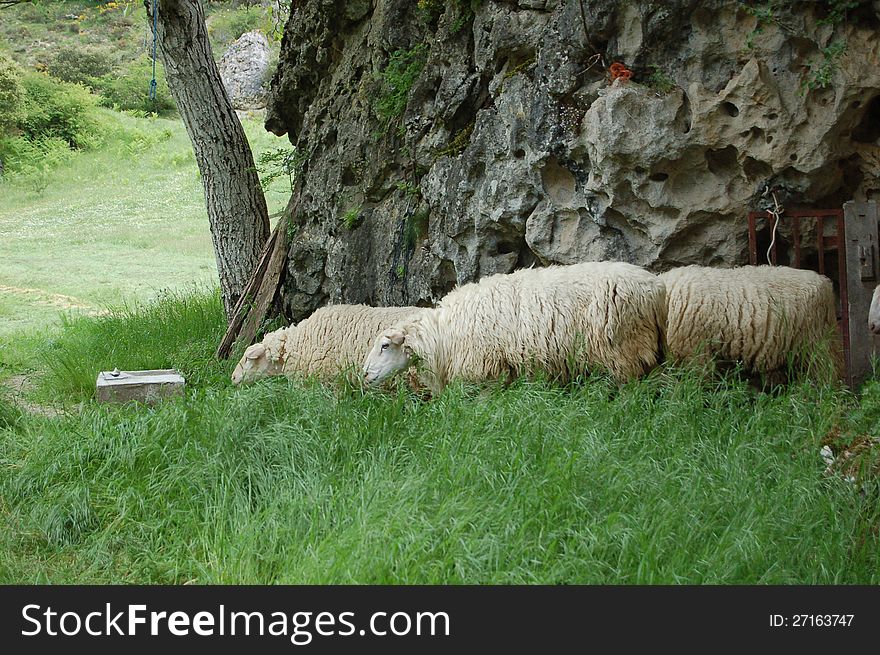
column 256, row 363
column 874, row 312
column 388, row 356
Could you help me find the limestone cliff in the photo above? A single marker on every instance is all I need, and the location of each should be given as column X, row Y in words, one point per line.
column 445, row 141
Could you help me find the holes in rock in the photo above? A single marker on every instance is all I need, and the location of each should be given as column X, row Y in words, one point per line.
column 769, row 139
column 868, row 129
column 507, row 247
column 659, row 177
column 519, row 153
column 730, row 109
column 349, row 178
column 793, row 157
column 558, row 182
column 772, row 117
column 756, row 170
column 721, row 162
column 639, row 170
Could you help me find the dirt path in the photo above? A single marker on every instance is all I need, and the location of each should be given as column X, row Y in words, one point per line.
column 20, row 385
column 58, row 300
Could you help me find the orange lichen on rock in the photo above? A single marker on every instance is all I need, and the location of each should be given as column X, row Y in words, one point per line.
column 619, row 71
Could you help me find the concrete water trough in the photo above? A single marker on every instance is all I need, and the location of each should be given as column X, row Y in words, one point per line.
column 142, row 386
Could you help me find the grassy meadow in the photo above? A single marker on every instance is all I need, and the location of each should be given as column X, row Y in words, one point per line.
column 111, row 225
column 106, row 261
column 678, row 478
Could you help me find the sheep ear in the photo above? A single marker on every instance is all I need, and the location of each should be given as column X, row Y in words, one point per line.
column 396, row 338
column 256, row 351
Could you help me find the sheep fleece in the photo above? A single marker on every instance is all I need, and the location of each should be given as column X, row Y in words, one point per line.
column 559, row 320
column 338, row 337
column 753, row 314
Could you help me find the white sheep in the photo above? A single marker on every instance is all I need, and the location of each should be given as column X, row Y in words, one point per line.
column 757, row 315
column 874, row 312
column 559, row 320
column 331, row 340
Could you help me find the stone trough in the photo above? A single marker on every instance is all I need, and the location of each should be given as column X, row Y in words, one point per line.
column 143, row 386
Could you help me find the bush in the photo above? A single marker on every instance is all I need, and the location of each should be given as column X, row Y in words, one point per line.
column 30, row 161
column 61, row 110
column 129, row 89
column 79, row 65
column 11, row 93
column 227, row 26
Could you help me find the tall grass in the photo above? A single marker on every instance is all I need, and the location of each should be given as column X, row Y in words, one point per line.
column 671, row 479
column 176, row 330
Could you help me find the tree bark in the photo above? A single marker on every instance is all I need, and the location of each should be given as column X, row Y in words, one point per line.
column 237, row 213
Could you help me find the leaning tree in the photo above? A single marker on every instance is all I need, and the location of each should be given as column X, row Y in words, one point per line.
column 237, row 211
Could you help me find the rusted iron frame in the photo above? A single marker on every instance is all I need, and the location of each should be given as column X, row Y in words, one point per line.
column 823, row 244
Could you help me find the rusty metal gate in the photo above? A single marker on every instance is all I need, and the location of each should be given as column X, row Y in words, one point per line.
column 855, row 242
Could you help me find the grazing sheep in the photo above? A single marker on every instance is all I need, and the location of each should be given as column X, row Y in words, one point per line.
column 329, row 341
column 874, row 312
column 262, row 359
column 559, row 320
column 757, row 315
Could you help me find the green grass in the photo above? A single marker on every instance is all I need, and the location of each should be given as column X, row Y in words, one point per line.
column 113, row 225
column 669, row 480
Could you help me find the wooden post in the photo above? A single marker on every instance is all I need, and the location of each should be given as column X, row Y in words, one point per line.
column 862, row 275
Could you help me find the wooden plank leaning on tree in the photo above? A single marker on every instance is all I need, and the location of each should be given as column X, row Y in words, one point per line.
column 262, row 285
column 246, row 304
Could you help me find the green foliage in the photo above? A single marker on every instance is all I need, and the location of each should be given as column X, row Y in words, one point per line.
column 277, row 163
column 170, row 330
column 352, row 218
column 79, row 65
column 396, row 80
column 837, row 10
column 765, row 13
column 225, row 26
column 821, row 73
column 61, row 110
column 409, row 189
column 659, row 80
column 128, row 89
column 459, row 142
column 10, row 415
column 12, row 93
column 400, row 271
column 430, row 10
column 31, row 161
column 416, row 228
column 673, row 479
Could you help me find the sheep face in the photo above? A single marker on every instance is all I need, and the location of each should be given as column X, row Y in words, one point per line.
column 255, row 364
column 388, row 356
column 874, row 312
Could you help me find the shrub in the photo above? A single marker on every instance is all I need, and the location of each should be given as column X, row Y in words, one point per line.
column 79, row 65
column 30, row 161
column 129, row 89
column 403, row 69
column 227, row 26
column 11, row 93
column 61, row 110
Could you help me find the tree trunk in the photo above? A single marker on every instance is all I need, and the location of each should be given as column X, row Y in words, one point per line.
column 237, row 211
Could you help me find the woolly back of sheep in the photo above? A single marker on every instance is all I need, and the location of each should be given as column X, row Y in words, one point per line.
column 560, row 320
column 767, row 317
column 336, row 338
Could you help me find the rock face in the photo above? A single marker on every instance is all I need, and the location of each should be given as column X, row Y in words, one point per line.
column 513, row 146
column 243, row 70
